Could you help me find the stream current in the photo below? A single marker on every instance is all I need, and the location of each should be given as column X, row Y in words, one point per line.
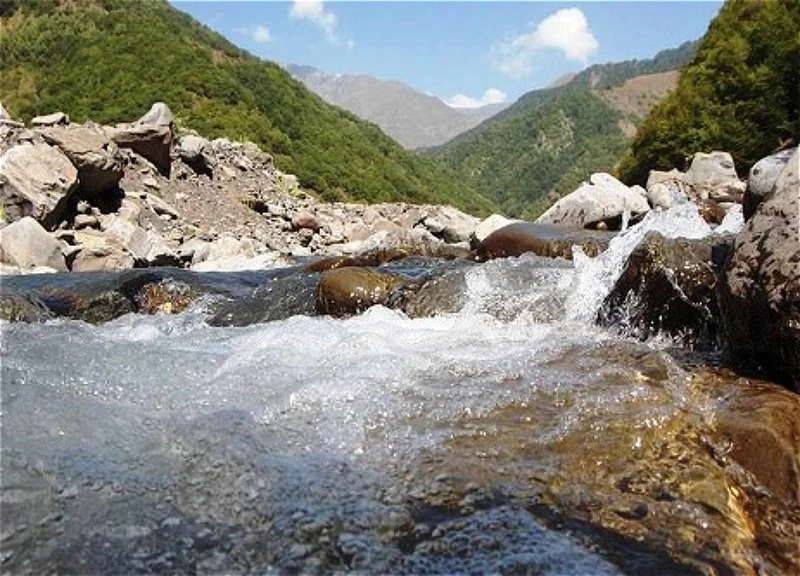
column 512, row 437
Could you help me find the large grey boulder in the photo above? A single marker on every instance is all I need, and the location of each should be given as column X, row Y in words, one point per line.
column 100, row 251
column 604, row 199
column 55, row 119
column 193, row 151
column 4, row 115
column 762, row 178
column 450, row 224
column 158, row 115
column 761, row 292
column 150, row 141
column 713, row 176
column 666, row 189
column 27, row 245
column 95, row 156
column 36, row 180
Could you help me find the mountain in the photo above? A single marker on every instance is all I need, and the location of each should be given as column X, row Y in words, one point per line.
column 740, row 94
column 414, row 119
column 109, row 60
column 549, row 140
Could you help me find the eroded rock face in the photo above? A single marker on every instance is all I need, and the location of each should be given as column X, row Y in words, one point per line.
column 603, row 200
column 667, row 286
column 94, row 155
column 36, row 180
column 541, row 239
column 27, row 245
column 761, row 293
column 350, row 290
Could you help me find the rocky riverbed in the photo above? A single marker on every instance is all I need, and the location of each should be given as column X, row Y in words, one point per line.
column 237, row 377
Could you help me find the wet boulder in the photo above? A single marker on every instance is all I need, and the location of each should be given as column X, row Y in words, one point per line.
column 21, row 307
column 667, row 287
column 36, row 180
column 541, row 239
column 762, row 178
column 761, row 291
column 26, row 245
column 486, row 226
column 760, row 423
column 95, row 156
column 351, row 290
column 603, row 200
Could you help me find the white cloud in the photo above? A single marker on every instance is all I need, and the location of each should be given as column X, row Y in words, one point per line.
column 315, row 12
column 262, row 35
column 259, row 34
column 566, row 30
column 491, row 96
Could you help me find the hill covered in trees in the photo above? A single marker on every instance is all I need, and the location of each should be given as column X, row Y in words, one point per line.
column 546, row 143
column 741, row 93
column 109, row 60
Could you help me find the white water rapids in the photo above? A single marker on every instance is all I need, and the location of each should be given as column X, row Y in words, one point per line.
column 121, row 437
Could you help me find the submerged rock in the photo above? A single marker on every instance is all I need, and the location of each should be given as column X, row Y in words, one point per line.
column 351, row 290
column 761, row 292
column 19, row 307
column 667, row 286
column 541, row 239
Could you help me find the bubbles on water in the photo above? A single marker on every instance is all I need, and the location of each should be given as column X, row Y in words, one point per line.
column 594, row 277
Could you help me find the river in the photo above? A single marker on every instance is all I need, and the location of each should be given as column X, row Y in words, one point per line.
column 513, row 436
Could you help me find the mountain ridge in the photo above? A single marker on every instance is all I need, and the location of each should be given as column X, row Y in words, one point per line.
column 547, row 142
column 85, row 57
column 412, row 118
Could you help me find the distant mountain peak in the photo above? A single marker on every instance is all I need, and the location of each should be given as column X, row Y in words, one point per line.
column 412, row 118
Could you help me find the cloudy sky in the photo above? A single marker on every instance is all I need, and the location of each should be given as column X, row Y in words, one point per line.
column 466, row 53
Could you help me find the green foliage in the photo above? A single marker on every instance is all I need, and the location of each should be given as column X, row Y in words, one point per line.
column 109, row 60
column 741, row 93
column 550, row 140
column 546, row 151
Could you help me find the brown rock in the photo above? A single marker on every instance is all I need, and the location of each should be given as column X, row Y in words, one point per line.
column 667, row 286
column 305, row 220
column 152, row 142
column 541, row 239
column 350, row 290
column 761, row 293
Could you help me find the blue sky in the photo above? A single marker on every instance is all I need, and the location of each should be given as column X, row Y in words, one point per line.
column 466, row 53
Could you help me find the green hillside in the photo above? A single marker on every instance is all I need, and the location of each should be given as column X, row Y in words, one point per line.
column 109, row 60
column 550, row 140
column 741, row 93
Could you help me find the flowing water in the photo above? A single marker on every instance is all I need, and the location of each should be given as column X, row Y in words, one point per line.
column 513, row 436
